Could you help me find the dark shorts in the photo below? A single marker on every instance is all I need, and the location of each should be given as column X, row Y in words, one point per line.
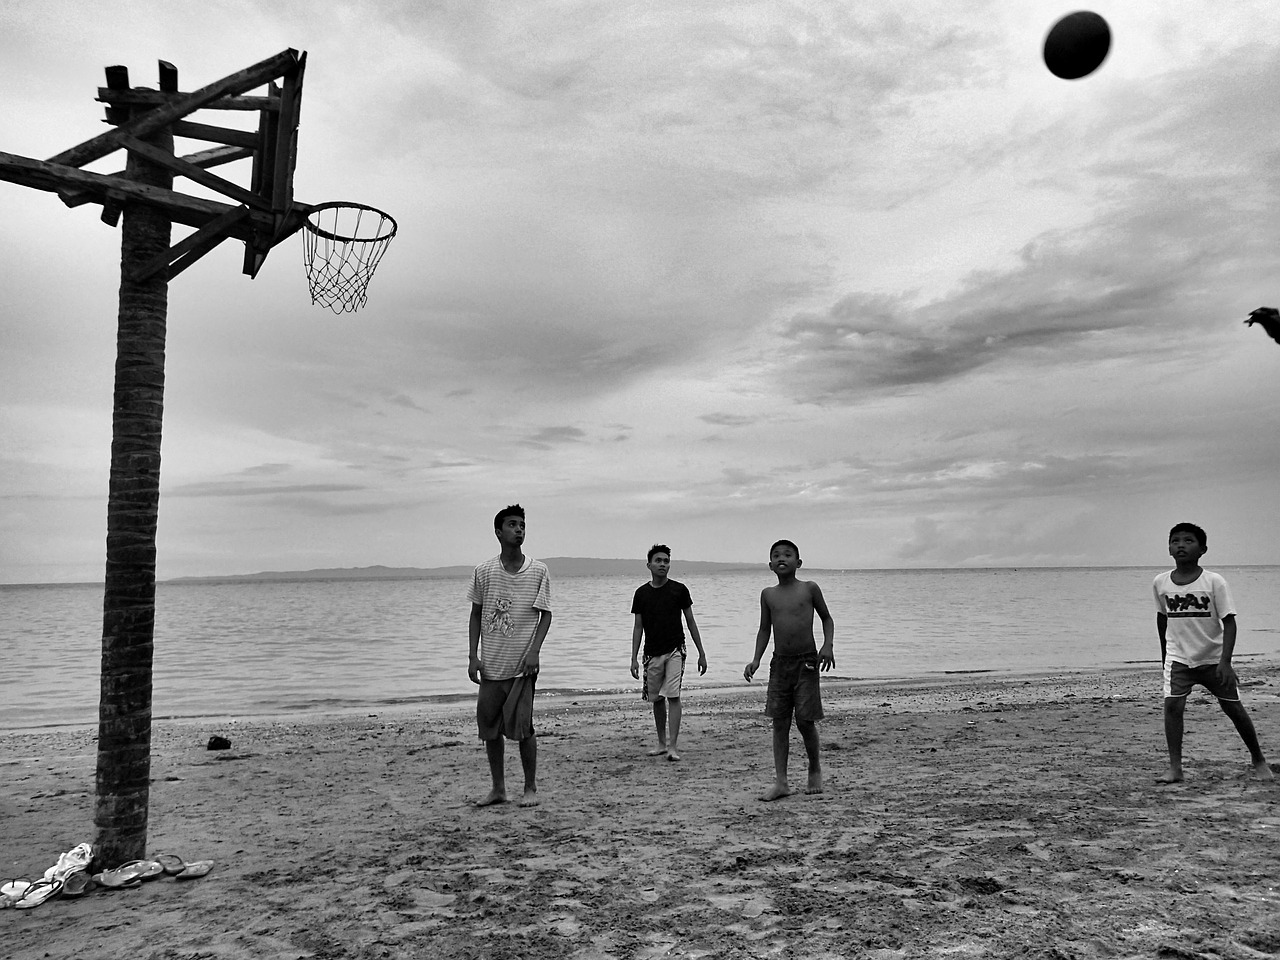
column 793, row 687
column 1179, row 679
column 505, row 708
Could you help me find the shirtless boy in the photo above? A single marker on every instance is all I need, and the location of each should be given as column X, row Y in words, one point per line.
column 788, row 610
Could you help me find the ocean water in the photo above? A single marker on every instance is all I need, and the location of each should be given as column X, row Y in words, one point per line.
column 236, row 649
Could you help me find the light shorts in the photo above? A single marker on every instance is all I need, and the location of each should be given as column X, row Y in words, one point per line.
column 664, row 674
column 1179, row 679
column 505, row 708
column 793, row 686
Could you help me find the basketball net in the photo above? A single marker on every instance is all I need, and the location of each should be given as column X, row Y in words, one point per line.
column 343, row 243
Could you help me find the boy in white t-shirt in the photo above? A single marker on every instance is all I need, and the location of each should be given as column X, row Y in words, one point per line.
column 1196, row 622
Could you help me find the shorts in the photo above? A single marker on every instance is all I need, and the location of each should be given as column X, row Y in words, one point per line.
column 505, row 708
column 663, row 675
column 1179, row 679
column 793, row 687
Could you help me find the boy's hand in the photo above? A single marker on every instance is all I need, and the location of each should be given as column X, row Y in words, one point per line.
column 826, row 658
column 1226, row 673
column 750, row 670
column 528, row 666
column 702, row 664
column 473, row 669
column 635, row 669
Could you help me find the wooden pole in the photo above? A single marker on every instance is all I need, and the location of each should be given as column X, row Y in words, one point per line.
column 128, row 607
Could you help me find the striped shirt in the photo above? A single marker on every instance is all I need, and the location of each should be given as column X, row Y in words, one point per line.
column 509, row 613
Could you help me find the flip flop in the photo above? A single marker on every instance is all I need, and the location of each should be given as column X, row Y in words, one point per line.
column 171, row 863
column 12, row 890
column 129, row 874
column 195, row 869
column 38, row 893
column 77, row 884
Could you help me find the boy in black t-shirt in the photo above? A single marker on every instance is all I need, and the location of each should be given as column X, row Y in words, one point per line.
column 658, row 606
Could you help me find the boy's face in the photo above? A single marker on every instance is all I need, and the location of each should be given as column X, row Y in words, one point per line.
column 1185, row 547
column 511, row 533
column 659, row 565
column 783, row 559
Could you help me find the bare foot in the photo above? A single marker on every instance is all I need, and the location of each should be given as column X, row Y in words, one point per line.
column 1172, row 775
column 657, row 751
column 815, row 782
column 530, row 798
column 1261, row 771
column 495, row 796
column 776, row 792
column 672, row 755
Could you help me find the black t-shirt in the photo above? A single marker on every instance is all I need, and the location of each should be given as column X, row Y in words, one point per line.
column 660, row 610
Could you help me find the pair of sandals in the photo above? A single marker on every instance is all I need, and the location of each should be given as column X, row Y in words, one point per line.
column 68, row 877
column 135, row 872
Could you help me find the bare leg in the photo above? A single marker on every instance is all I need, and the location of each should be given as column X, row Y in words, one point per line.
column 1174, row 708
column 1234, row 709
column 495, row 752
column 660, row 721
column 809, row 733
column 781, row 753
column 529, row 760
column 672, row 754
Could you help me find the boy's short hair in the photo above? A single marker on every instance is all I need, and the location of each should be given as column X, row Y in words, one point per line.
column 514, row 510
column 657, row 548
column 1191, row 528
column 785, row 543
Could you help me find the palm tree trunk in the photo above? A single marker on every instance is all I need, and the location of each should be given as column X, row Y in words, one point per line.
column 128, row 607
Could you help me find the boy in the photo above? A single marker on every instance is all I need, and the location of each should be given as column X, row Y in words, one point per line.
column 658, row 605
column 510, row 615
column 793, row 672
column 1196, row 623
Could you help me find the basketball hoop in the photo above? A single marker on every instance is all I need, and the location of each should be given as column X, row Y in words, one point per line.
column 342, row 245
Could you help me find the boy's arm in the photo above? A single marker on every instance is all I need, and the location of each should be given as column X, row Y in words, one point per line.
column 636, row 633
column 1162, row 623
column 697, row 640
column 762, row 636
column 1226, row 672
column 473, row 661
column 826, row 656
column 530, row 664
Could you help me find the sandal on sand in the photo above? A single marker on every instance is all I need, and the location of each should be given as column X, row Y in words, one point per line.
column 38, row 893
column 129, row 874
column 11, row 891
column 171, row 863
column 77, row 884
column 195, row 869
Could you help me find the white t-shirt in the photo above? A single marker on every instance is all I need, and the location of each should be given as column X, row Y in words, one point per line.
column 510, row 605
column 1193, row 634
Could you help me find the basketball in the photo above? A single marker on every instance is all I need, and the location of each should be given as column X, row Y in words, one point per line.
column 1076, row 45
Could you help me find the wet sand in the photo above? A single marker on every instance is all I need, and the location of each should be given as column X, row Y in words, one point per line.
column 976, row 816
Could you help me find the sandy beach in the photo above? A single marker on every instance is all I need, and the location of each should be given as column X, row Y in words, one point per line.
column 971, row 817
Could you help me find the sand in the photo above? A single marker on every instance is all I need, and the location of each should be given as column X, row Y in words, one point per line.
column 977, row 817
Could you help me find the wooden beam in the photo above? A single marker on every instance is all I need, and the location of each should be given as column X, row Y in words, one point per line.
column 205, row 131
column 187, row 251
column 217, row 156
column 192, row 172
column 286, row 146
column 162, row 116
column 168, row 77
column 181, row 208
column 141, row 97
column 117, row 79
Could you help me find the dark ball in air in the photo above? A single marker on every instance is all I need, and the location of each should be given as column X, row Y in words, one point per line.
column 1076, row 45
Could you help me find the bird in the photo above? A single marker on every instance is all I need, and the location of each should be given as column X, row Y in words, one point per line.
column 1269, row 317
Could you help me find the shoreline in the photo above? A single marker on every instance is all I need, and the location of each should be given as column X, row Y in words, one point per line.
column 973, row 816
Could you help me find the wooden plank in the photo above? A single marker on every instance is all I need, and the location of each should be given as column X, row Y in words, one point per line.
column 162, row 116
column 205, row 131
column 117, row 79
column 187, row 251
column 192, row 172
column 217, row 156
column 181, row 208
column 286, row 145
column 156, row 98
column 168, row 77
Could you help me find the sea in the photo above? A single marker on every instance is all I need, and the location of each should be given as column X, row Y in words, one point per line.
column 250, row 648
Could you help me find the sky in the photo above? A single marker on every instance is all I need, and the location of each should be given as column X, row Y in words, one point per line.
column 865, row 276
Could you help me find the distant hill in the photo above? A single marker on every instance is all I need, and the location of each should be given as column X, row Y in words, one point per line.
column 559, row 567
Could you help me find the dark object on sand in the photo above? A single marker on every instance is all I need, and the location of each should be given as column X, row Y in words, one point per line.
column 1269, row 317
column 219, row 743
